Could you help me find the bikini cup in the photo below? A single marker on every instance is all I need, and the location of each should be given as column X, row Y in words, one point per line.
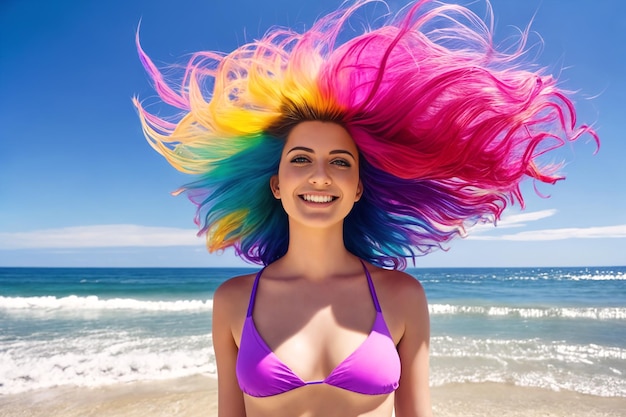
column 372, row 369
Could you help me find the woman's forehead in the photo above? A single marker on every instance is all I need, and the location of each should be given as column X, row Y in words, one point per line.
column 318, row 136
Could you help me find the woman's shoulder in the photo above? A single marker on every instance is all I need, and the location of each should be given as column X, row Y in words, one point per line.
column 396, row 281
column 234, row 292
column 398, row 290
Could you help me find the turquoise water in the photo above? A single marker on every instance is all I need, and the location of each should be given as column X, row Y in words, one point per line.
column 557, row 328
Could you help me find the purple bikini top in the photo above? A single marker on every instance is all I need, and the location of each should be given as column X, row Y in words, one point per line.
column 372, row 369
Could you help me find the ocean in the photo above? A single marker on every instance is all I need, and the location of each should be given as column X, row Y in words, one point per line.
column 554, row 328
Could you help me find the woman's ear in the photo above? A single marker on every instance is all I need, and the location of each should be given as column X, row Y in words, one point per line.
column 274, row 186
column 359, row 191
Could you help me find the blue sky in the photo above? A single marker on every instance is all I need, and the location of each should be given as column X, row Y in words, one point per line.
column 79, row 186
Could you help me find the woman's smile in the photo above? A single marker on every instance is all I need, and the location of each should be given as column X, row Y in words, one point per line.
column 318, row 199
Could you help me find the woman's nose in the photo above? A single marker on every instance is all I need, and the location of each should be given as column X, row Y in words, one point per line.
column 320, row 176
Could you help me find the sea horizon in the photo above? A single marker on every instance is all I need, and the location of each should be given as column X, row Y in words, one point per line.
column 256, row 267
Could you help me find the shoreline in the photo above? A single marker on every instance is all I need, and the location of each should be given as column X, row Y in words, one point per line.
column 196, row 396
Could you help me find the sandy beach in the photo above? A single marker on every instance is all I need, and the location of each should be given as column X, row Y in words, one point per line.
column 197, row 396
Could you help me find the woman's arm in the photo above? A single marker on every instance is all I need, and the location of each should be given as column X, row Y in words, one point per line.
column 413, row 394
column 230, row 398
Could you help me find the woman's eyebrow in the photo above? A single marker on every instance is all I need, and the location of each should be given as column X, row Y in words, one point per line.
column 301, row 148
column 334, row 152
column 342, row 151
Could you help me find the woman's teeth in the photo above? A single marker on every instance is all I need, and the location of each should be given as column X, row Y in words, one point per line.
column 318, row 198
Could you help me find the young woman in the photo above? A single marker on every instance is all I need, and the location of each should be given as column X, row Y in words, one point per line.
column 319, row 331
column 330, row 164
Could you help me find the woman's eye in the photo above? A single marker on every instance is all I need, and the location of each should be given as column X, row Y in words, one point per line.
column 300, row 160
column 342, row 163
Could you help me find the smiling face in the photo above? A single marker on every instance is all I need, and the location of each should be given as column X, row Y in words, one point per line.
column 318, row 176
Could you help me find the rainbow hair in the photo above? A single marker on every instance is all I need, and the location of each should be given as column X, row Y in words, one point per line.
column 446, row 126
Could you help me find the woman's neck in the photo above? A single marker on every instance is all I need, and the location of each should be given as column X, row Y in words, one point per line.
column 317, row 253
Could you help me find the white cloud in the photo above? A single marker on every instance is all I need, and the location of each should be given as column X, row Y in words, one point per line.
column 479, row 231
column 102, row 236
column 618, row 231
column 513, row 220
column 520, row 219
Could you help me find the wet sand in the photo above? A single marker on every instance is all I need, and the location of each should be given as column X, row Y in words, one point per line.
column 197, row 396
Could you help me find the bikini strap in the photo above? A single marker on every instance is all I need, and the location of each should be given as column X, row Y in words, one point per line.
column 372, row 289
column 253, row 293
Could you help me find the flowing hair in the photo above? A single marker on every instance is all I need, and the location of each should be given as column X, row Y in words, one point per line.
column 446, row 127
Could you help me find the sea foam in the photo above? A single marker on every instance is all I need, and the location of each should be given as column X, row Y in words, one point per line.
column 91, row 361
column 592, row 313
column 92, row 302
